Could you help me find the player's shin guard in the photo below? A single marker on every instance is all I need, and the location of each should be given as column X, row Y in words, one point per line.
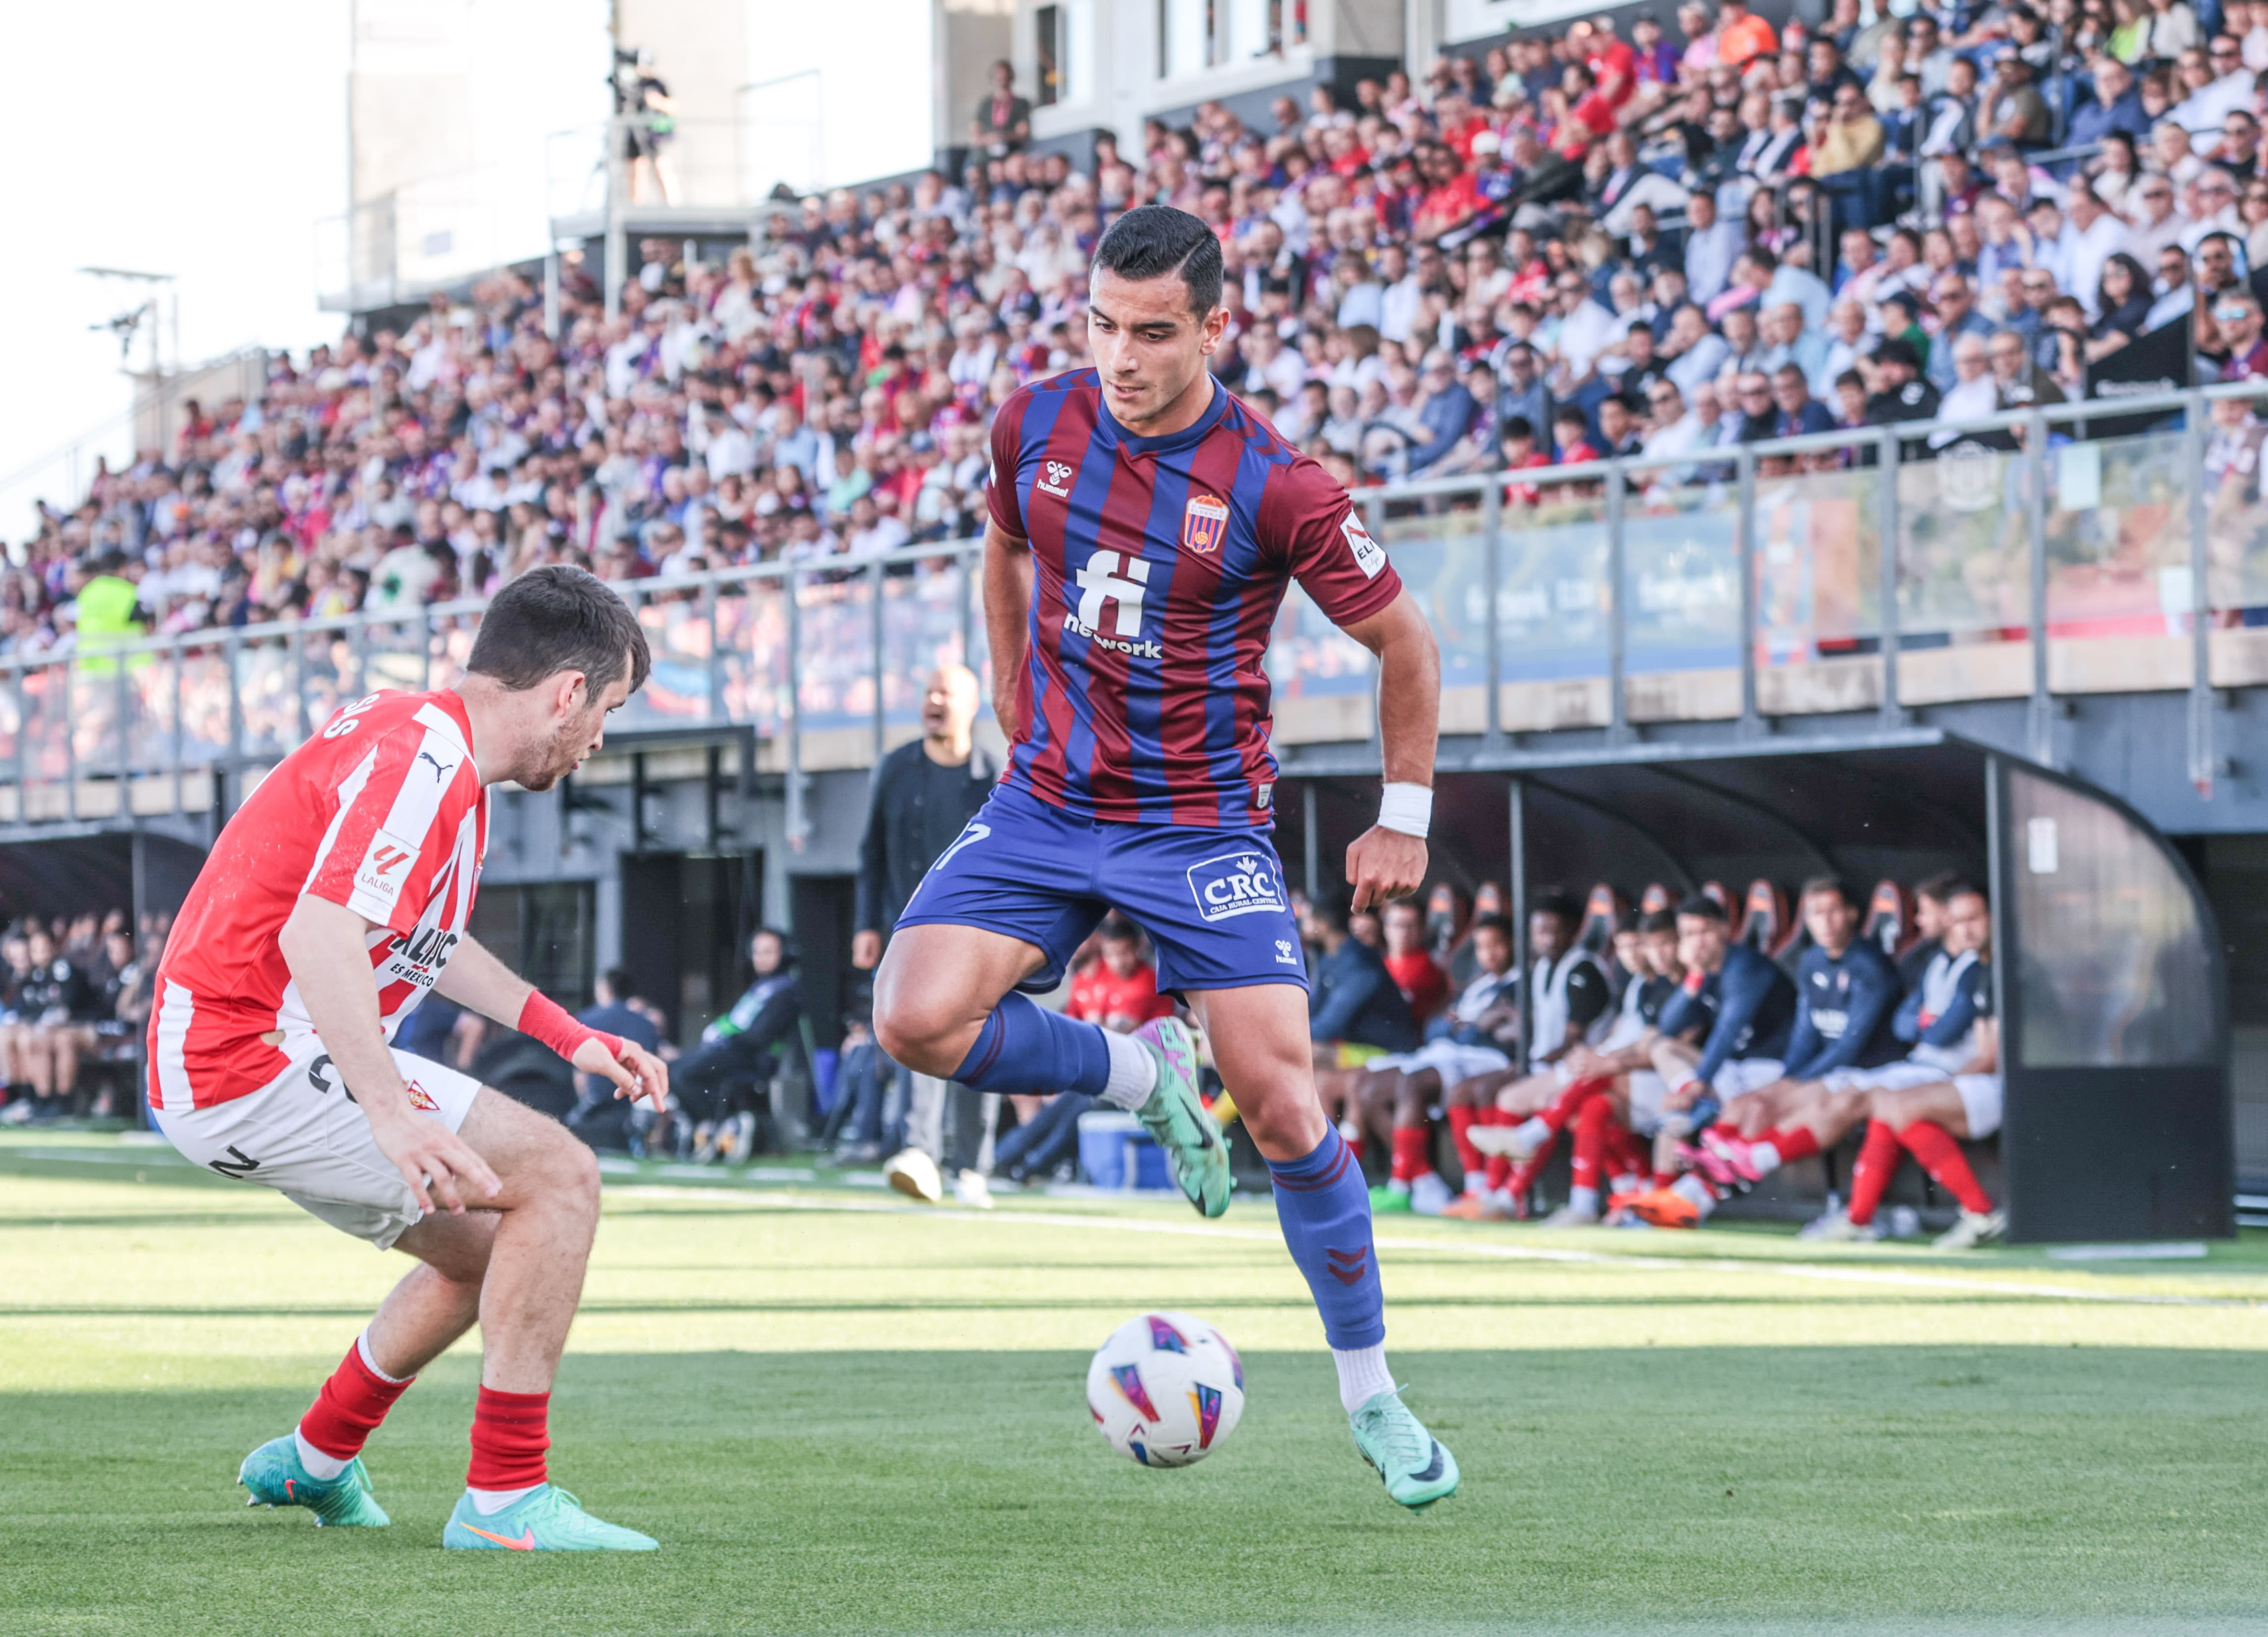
column 1024, row 1048
column 1938, row 1150
column 1878, row 1162
column 1325, row 1213
column 351, row 1406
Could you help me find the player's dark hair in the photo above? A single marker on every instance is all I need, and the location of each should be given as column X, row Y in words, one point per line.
column 1332, row 909
column 557, row 618
column 1959, row 886
column 1935, row 888
column 1556, row 903
column 1117, row 929
column 1702, row 904
column 1150, row 241
column 1500, row 925
column 1658, row 921
column 623, row 985
column 1836, row 884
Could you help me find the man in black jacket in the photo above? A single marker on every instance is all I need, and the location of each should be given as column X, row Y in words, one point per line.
column 923, row 796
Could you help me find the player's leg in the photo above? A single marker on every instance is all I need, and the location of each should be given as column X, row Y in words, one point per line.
column 66, row 1041
column 1812, row 1116
column 1413, row 1185
column 1259, row 1035
column 1931, row 1121
column 1595, row 1119
column 945, row 1003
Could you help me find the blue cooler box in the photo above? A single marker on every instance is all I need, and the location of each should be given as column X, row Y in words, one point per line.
column 1115, row 1152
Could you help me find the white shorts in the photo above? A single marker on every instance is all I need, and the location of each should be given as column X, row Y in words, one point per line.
column 1980, row 1094
column 305, row 1137
column 1447, row 1058
column 1741, row 1075
column 1648, row 1091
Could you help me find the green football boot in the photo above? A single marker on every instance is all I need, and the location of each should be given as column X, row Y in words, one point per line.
column 1180, row 1123
column 1388, row 1201
column 274, row 1475
column 1418, row 1469
column 548, row 1520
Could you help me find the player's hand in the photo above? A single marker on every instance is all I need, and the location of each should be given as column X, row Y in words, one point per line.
column 1682, row 1096
column 1383, row 864
column 867, row 949
column 435, row 1162
column 636, row 1072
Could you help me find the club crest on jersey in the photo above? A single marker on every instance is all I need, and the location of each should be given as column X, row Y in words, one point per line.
column 421, row 1098
column 1204, row 522
column 1055, row 479
column 1236, row 883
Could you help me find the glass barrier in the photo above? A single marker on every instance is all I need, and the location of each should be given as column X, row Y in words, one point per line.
column 96, row 724
column 396, row 654
column 2236, row 515
column 1682, row 565
column 330, row 670
column 45, row 739
column 835, row 652
column 2113, row 959
column 677, row 635
column 1964, row 547
column 1551, row 593
column 208, row 729
column 921, row 630
column 752, row 638
column 151, row 679
column 1442, row 557
column 2118, row 538
column 268, row 693
column 448, row 645
column 1819, row 579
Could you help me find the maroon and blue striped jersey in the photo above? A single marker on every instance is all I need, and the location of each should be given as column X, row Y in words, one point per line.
column 1158, row 567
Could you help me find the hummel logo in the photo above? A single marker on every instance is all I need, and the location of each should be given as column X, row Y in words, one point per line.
column 1284, row 955
column 440, row 771
column 1349, row 1266
column 1055, row 478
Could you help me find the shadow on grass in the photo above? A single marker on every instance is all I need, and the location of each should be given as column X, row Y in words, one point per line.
column 1907, row 1489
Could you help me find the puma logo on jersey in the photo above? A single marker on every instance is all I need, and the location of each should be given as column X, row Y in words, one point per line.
column 441, row 769
column 1055, row 479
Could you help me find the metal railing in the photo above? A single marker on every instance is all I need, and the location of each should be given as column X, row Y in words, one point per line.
column 1739, row 584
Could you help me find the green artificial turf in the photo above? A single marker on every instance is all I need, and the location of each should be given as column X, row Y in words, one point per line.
column 839, row 1415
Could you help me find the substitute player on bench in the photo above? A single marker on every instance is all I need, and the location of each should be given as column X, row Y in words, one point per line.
column 1144, row 525
column 336, row 897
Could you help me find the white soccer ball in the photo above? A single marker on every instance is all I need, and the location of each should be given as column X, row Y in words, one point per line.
column 1165, row 1388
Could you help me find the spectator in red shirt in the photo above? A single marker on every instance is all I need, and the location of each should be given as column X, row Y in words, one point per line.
column 1410, row 963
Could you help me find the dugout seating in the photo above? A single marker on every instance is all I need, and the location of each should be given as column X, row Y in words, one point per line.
column 1889, row 923
column 1766, row 926
column 1602, row 912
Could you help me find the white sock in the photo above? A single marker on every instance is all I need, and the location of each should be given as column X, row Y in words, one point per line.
column 489, row 1502
column 370, row 1362
column 1583, row 1199
column 1691, row 1187
column 1532, row 1131
column 1395, row 1185
column 1363, row 1375
column 1133, row 1072
column 1766, row 1158
column 319, row 1467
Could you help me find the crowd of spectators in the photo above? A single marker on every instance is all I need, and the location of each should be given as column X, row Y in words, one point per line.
column 1574, row 244
column 75, row 991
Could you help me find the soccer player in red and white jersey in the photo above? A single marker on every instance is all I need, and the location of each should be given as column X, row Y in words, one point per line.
column 337, row 896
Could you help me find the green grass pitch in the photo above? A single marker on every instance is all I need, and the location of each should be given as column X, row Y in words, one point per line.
column 839, row 1415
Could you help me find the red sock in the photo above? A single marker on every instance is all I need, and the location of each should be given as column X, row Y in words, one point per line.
column 1524, row 1174
column 509, row 1439
column 1802, row 1143
column 1626, row 1156
column 1591, row 1126
column 350, row 1407
column 1570, row 1103
column 1411, row 1159
column 1462, row 1121
column 1878, row 1162
column 1938, row 1150
column 1498, row 1172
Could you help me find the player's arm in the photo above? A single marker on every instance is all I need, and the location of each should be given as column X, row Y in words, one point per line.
column 326, row 947
column 478, row 982
column 1007, row 615
column 1384, row 861
column 1987, row 1058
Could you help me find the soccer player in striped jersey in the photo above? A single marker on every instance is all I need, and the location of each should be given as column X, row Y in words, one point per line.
column 1144, row 527
column 334, row 899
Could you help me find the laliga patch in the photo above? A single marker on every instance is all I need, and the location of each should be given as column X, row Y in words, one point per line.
column 1369, row 555
column 1204, row 522
column 384, row 867
column 1236, row 883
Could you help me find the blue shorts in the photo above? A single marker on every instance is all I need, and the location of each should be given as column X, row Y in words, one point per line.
column 1213, row 901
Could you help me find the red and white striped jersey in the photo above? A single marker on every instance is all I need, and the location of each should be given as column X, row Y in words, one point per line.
column 382, row 812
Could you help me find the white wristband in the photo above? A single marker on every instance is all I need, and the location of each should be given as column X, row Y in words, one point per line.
column 1408, row 808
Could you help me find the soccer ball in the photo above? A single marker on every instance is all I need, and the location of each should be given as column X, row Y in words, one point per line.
column 1165, row 1388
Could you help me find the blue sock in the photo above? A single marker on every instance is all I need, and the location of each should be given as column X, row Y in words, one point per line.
column 1024, row 1046
column 1324, row 1207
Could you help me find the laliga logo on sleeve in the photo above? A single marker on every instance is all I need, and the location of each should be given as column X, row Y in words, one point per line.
column 1369, row 555
column 1204, row 522
column 1235, row 884
column 383, row 867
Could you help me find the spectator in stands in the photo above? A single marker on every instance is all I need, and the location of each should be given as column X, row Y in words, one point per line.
column 1355, row 1013
column 922, row 796
column 618, row 1009
column 1003, row 122
column 55, row 1009
column 718, row 1084
column 1477, row 1037
column 1410, row 963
